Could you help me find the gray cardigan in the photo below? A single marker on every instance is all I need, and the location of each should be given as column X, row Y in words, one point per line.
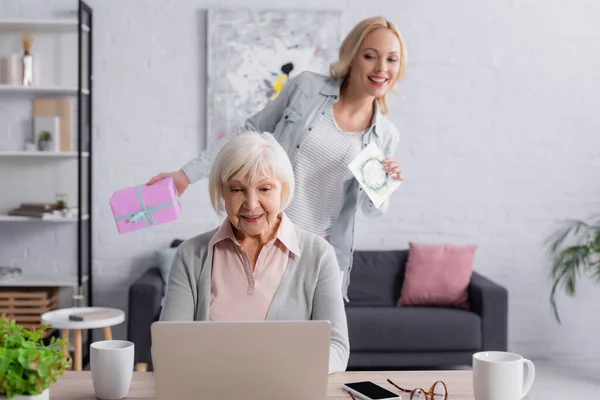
column 310, row 289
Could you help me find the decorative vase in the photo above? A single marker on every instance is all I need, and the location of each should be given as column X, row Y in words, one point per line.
column 45, row 395
column 46, row 145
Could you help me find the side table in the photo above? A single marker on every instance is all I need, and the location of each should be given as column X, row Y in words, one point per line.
column 60, row 319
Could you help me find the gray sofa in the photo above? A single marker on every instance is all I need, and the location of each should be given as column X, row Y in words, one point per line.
column 382, row 336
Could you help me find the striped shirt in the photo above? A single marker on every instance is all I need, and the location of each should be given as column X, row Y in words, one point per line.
column 322, row 174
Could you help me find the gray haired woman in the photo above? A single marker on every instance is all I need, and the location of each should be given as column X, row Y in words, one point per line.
column 257, row 265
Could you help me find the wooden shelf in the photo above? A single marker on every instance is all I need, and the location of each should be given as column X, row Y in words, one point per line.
column 54, row 220
column 4, row 88
column 42, row 154
column 41, row 25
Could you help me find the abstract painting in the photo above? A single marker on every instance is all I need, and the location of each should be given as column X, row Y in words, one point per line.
column 253, row 53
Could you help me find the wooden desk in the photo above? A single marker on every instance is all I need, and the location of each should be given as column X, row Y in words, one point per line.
column 78, row 385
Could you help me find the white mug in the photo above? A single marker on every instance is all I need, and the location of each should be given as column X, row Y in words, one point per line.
column 498, row 375
column 111, row 363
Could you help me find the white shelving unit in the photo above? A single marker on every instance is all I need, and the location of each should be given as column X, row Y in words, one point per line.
column 64, row 46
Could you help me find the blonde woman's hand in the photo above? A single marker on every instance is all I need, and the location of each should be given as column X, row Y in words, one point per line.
column 392, row 169
column 179, row 177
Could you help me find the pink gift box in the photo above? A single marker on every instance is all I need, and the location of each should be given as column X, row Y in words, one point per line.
column 143, row 206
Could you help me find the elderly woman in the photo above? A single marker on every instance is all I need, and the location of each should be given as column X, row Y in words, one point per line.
column 257, row 265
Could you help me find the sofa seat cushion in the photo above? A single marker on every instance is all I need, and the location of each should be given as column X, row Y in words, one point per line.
column 393, row 329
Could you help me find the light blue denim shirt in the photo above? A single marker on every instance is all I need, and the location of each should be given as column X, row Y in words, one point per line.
column 290, row 118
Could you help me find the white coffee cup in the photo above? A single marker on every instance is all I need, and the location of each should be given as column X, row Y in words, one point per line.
column 111, row 363
column 498, row 375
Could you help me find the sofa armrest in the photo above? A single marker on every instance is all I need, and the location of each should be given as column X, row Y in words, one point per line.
column 490, row 301
column 145, row 296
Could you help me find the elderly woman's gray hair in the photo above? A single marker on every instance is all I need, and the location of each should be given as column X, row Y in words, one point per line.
column 246, row 158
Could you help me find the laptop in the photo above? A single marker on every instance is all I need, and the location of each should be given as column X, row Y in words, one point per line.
column 241, row 360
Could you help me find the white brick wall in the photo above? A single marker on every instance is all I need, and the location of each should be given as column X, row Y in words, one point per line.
column 499, row 141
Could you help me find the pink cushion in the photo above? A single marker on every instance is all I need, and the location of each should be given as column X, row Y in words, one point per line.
column 437, row 275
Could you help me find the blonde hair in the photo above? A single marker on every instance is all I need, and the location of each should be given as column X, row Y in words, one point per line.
column 246, row 158
column 351, row 45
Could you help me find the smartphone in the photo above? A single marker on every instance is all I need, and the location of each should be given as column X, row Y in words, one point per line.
column 369, row 391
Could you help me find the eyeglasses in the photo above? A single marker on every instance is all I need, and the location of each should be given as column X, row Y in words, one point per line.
column 437, row 391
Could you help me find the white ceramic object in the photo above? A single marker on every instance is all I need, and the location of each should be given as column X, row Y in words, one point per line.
column 498, row 375
column 50, row 124
column 111, row 364
column 45, row 395
column 11, row 69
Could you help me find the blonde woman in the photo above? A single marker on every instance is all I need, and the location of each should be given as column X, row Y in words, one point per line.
column 323, row 122
column 257, row 265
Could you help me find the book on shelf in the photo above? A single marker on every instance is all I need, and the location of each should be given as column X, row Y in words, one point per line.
column 93, row 315
column 43, row 211
column 34, row 209
column 43, row 206
column 27, row 213
column 63, row 108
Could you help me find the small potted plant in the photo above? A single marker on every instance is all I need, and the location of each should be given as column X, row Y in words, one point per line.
column 28, row 365
column 45, row 141
column 61, row 204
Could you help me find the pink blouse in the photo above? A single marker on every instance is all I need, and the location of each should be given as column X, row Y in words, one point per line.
column 237, row 292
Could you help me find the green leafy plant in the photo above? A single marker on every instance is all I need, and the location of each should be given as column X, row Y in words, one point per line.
column 574, row 250
column 46, row 136
column 28, row 366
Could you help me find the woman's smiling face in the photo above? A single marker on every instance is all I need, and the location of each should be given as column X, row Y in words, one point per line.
column 377, row 63
column 253, row 207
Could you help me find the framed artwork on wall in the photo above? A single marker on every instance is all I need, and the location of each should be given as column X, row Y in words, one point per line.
column 251, row 54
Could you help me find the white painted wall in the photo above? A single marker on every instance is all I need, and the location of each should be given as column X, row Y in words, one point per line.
column 499, row 140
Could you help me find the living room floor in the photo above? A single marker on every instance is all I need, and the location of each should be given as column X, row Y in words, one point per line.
column 566, row 380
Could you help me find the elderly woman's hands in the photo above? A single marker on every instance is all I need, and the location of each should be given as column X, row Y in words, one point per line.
column 179, row 177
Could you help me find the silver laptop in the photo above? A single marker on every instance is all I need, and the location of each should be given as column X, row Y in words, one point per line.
column 241, row 360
